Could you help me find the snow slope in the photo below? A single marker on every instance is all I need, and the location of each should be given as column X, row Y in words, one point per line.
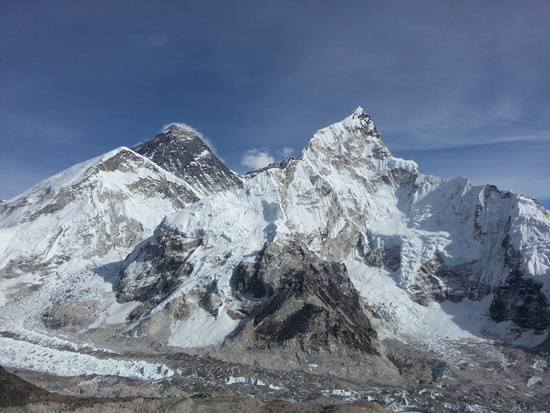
column 90, row 214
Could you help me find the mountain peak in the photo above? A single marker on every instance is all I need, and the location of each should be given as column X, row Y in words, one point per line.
column 359, row 119
column 354, row 138
column 343, row 273
column 180, row 150
column 359, row 112
column 180, row 130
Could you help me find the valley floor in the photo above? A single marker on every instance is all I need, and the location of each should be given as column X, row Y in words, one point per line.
column 476, row 377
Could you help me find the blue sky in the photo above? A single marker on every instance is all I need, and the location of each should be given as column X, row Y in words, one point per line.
column 461, row 87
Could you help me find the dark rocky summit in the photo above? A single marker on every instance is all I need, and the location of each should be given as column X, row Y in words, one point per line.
column 183, row 153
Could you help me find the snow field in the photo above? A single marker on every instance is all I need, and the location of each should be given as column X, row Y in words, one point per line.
column 202, row 329
column 30, row 356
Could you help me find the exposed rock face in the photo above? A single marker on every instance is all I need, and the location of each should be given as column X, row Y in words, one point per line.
column 309, row 304
column 14, row 391
column 156, row 271
column 520, row 299
column 383, row 257
column 70, row 316
column 437, row 281
column 183, row 153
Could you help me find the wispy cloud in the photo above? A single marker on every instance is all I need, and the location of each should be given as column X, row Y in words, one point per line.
column 182, row 125
column 151, row 40
column 260, row 158
column 285, row 152
column 190, row 128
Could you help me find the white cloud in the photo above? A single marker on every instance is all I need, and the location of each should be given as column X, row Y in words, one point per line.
column 257, row 158
column 209, row 143
column 285, row 152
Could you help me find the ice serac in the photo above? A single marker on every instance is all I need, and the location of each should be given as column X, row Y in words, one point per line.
column 182, row 152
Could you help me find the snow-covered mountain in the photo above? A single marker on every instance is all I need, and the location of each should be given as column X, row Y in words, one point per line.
column 328, row 255
column 88, row 214
column 409, row 242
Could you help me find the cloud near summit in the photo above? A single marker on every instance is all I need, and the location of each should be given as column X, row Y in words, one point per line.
column 257, row 158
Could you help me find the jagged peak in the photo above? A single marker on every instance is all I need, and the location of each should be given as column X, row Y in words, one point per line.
column 181, row 150
column 360, row 113
column 359, row 119
column 358, row 122
column 353, row 133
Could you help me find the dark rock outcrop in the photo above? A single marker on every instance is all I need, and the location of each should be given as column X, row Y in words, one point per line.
column 14, row 391
column 307, row 303
column 437, row 281
column 156, row 271
column 520, row 298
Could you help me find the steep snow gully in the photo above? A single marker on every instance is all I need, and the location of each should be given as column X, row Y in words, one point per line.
column 345, row 256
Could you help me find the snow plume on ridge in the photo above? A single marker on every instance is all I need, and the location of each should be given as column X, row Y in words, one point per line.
column 182, row 125
column 190, row 128
column 257, row 158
